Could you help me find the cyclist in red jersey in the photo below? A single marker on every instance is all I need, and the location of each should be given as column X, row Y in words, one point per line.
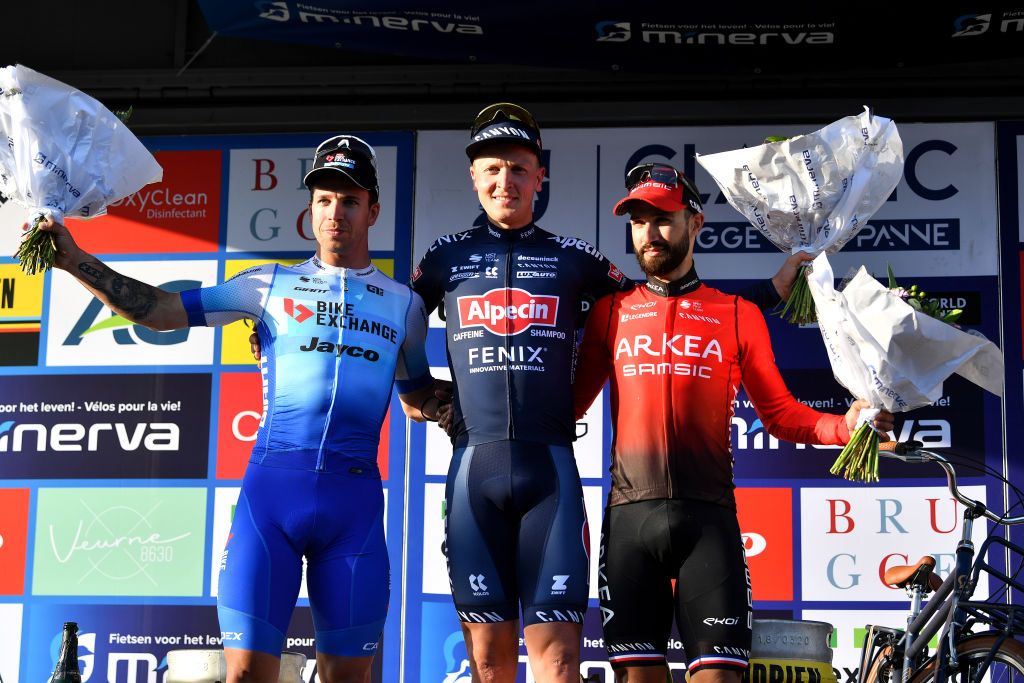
column 676, row 351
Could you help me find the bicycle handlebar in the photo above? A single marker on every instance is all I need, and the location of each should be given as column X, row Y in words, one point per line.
column 912, row 451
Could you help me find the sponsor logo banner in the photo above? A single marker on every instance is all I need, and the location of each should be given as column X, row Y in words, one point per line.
column 948, row 185
column 238, row 420
column 21, row 308
column 13, row 540
column 766, row 523
column 82, row 331
column 104, row 426
column 10, row 643
column 268, row 205
column 850, row 536
column 119, row 541
column 235, row 347
column 181, row 213
column 130, row 643
column 760, row 455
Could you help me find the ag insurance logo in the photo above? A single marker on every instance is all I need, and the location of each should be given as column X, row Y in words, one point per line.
column 119, row 541
column 82, row 331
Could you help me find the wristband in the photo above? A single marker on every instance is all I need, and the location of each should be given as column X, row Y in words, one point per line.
column 424, row 404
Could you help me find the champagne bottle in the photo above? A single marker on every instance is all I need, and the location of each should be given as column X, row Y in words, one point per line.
column 66, row 670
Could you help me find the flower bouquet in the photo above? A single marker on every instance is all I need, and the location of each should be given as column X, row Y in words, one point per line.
column 884, row 348
column 62, row 153
column 812, row 192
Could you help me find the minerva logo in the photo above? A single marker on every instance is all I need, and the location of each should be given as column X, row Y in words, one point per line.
column 73, row 436
column 508, row 311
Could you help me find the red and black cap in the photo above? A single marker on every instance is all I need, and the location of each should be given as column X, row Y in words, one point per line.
column 661, row 186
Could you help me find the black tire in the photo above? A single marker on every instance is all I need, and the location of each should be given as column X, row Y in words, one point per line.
column 1006, row 667
column 880, row 669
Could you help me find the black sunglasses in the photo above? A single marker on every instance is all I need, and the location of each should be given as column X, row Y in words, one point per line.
column 504, row 111
column 659, row 173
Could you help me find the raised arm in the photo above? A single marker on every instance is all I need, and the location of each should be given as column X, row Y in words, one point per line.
column 136, row 301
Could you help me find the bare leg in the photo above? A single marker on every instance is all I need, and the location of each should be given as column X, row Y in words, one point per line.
column 251, row 666
column 493, row 651
column 335, row 669
column 554, row 650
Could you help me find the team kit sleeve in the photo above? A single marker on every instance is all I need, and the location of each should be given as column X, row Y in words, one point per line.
column 412, row 371
column 594, row 360
column 427, row 279
column 783, row 416
column 243, row 296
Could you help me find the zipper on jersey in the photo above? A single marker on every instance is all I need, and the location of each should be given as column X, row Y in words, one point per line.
column 508, row 367
column 334, row 387
column 670, row 408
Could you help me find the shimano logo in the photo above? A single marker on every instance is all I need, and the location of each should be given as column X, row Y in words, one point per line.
column 340, row 350
column 76, row 437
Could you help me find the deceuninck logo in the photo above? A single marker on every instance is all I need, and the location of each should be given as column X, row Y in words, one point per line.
column 142, row 541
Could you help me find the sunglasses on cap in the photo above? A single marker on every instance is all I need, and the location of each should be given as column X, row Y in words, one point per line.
column 502, row 111
column 347, row 142
column 659, row 173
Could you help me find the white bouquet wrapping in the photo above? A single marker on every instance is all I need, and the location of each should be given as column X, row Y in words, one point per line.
column 62, row 153
column 812, row 192
column 886, row 351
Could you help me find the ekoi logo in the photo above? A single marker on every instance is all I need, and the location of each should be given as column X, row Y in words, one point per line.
column 508, row 312
column 297, row 311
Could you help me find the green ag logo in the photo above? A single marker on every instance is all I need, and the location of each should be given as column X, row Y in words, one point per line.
column 90, row 321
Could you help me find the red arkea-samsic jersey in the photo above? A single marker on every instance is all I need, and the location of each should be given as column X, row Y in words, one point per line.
column 676, row 354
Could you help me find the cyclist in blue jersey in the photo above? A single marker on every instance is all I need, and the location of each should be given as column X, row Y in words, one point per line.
column 336, row 334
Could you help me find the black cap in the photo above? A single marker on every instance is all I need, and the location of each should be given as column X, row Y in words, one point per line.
column 506, row 123
column 350, row 156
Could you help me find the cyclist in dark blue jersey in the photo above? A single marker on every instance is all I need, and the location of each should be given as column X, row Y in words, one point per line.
column 336, row 334
column 513, row 293
column 515, row 527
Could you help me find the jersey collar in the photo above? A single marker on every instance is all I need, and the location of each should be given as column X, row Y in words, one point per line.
column 510, row 234
column 683, row 285
column 338, row 270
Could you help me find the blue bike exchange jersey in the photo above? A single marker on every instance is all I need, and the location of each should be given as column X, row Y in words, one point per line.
column 513, row 301
column 334, row 341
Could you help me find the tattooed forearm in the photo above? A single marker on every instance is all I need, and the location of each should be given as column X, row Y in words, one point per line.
column 131, row 298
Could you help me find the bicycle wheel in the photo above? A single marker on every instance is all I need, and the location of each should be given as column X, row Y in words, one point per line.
column 1007, row 666
column 880, row 670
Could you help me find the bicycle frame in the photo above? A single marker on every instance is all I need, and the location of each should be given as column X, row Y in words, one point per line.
column 948, row 611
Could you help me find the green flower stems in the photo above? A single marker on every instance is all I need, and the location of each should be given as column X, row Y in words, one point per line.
column 38, row 251
column 858, row 461
column 800, row 305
